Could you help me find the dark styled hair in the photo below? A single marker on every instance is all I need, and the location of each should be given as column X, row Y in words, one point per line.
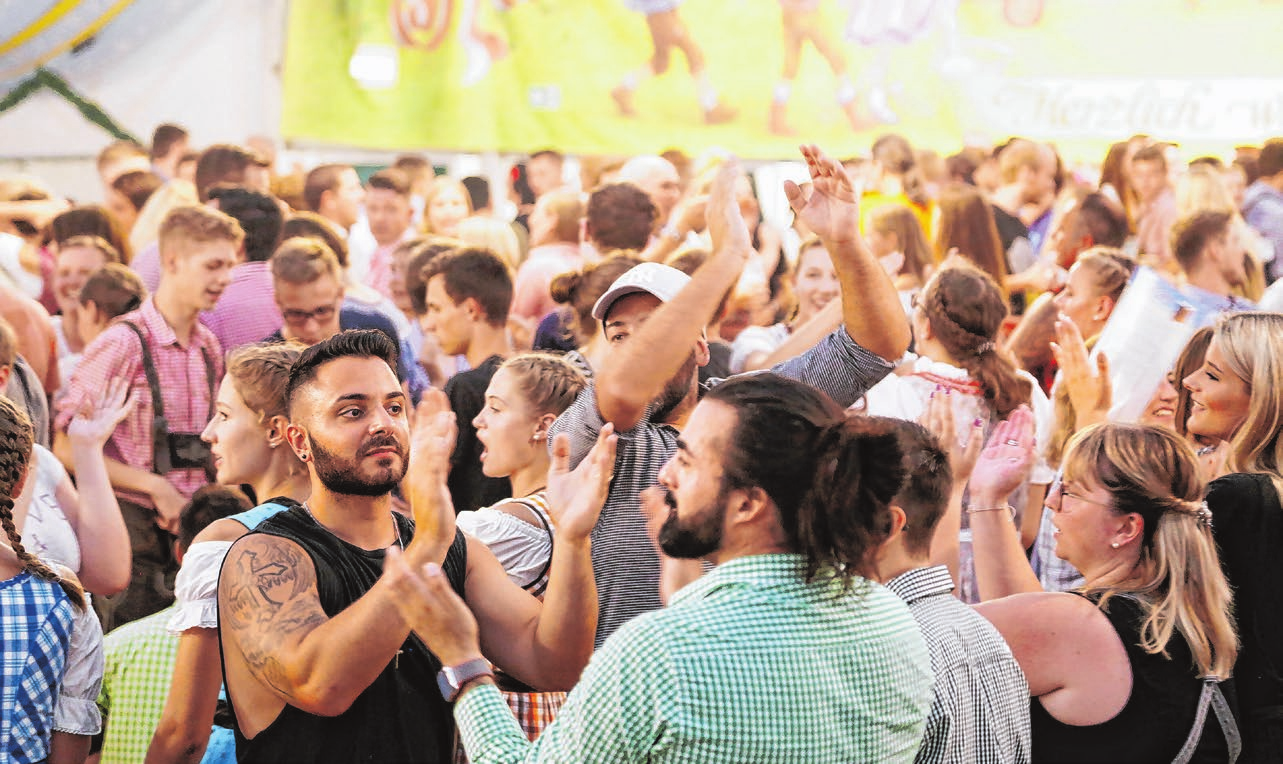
column 208, row 504
column 929, row 482
column 354, row 343
column 581, row 289
column 137, row 186
column 831, row 476
column 321, row 179
column 115, row 289
column 620, row 216
column 478, row 274
column 259, row 215
column 1192, row 233
column 88, row 220
column 224, row 163
column 164, row 138
column 1103, row 219
column 391, row 179
column 478, row 189
column 423, row 253
column 1270, row 161
column 965, row 309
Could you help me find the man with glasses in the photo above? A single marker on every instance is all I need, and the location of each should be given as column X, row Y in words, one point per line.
column 308, row 283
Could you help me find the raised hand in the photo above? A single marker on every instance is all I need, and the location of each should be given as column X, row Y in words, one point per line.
column 432, row 437
column 726, row 225
column 575, row 497
column 1089, row 389
column 939, row 420
column 97, row 416
column 828, row 204
column 1005, row 461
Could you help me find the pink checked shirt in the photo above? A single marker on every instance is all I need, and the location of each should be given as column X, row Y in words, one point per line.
column 247, row 311
column 181, row 370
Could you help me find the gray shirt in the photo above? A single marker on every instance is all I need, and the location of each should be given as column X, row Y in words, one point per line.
column 980, row 714
column 625, row 564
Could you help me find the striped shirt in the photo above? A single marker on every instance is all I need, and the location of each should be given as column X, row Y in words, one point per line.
column 625, row 564
column 181, row 370
column 748, row 664
column 980, row 714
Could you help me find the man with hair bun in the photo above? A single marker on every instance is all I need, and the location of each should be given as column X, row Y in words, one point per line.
column 786, row 652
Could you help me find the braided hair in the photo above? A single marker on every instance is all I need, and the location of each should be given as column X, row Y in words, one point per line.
column 965, row 309
column 16, row 440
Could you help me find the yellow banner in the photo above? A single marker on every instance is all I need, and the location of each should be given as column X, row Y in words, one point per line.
column 757, row 76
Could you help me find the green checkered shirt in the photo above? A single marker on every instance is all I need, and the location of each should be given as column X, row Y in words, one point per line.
column 140, row 665
column 747, row 664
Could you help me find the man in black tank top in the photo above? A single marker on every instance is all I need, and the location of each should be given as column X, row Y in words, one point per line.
column 318, row 663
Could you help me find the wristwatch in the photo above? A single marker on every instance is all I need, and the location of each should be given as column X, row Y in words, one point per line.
column 452, row 679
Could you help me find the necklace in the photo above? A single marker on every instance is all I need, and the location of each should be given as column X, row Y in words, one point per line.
column 395, row 528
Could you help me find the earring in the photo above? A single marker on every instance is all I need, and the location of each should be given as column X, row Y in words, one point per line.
column 1114, row 545
column 273, row 445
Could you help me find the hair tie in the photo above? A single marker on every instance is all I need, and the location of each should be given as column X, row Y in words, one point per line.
column 986, row 347
column 1204, row 515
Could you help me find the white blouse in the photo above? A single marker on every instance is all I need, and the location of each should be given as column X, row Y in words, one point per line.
column 47, row 533
column 196, row 587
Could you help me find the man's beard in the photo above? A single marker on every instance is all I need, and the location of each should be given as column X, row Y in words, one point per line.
column 697, row 536
column 343, row 476
column 675, row 391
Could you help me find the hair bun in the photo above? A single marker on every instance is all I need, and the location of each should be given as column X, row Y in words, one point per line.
column 565, row 286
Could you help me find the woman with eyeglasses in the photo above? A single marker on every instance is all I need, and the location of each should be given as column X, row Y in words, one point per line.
column 1236, row 403
column 1127, row 668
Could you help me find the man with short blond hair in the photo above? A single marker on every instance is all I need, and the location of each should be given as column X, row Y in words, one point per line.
column 155, row 458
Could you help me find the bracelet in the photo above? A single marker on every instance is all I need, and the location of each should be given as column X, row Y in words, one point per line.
column 973, row 510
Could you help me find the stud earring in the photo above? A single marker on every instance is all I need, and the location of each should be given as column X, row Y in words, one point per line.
column 1114, row 545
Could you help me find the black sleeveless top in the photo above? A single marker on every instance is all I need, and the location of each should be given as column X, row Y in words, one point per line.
column 1156, row 721
column 401, row 717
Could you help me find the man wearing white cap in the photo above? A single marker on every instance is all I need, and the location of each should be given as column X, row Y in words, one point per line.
column 649, row 383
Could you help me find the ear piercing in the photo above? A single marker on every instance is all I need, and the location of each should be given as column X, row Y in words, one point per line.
column 1114, row 545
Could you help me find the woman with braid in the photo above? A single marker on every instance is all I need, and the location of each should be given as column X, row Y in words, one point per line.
column 51, row 660
column 955, row 323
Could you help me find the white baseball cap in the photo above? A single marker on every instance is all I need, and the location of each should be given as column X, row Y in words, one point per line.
column 658, row 279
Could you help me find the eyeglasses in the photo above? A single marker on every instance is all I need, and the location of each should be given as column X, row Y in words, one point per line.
column 1058, row 486
column 300, row 317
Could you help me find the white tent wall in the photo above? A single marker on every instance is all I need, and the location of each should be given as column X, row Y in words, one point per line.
column 212, row 67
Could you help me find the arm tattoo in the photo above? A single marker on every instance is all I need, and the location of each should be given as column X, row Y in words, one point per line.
column 269, row 601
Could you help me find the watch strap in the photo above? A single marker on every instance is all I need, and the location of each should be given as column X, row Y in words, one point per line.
column 452, row 679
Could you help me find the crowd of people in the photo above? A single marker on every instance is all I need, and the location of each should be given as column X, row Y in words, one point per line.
column 976, row 460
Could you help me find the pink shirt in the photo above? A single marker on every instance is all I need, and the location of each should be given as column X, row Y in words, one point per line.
column 530, row 298
column 247, row 311
column 183, row 383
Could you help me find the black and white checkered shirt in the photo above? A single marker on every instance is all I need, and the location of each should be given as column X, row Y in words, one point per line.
column 625, row 564
column 980, row 714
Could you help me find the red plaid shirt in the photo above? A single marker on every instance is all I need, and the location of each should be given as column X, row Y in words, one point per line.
column 181, row 371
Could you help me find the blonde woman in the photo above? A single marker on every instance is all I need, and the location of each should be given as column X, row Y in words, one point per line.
column 1126, row 668
column 1235, row 400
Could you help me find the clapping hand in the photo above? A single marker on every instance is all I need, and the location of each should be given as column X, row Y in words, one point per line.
column 939, row 420
column 1006, row 459
column 97, row 416
column 575, row 497
column 828, row 205
column 432, row 440
column 1089, row 390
